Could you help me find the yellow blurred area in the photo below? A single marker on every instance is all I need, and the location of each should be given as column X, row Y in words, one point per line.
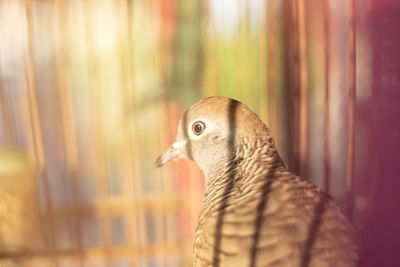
column 18, row 201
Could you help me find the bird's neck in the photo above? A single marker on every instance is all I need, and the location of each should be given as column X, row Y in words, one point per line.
column 248, row 167
column 246, row 157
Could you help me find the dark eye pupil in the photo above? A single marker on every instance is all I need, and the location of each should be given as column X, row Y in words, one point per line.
column 198, row 127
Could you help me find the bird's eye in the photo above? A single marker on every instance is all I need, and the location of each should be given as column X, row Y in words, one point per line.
column 198, row 127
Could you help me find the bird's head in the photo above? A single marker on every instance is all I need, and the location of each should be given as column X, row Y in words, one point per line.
column 210, row 130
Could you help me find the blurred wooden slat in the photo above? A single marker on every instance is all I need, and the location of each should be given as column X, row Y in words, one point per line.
column 300, row 86
column 271, row 69
column 67, row 117
column 9, row 139
column 32, row 92
column 303, row 114
column 376, row 124
column 37, row 144
column 160, row 228
column 294, row 8
column 147, row 250
column 263, row 71
column 136, row 9
column 351, row 110
column 64, row 87
column 127, row 168
column 121, row 205
column 167, row 20
column 326, row 22
column 96, row 108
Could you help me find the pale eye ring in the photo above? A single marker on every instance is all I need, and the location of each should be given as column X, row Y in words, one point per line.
column 198, row 127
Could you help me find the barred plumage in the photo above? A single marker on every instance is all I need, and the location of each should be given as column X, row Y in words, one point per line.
column 256, row 212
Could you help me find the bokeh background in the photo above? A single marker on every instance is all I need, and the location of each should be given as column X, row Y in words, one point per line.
column 91, row 92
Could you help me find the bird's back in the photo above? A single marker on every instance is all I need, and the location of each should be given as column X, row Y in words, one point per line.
column 271, row 217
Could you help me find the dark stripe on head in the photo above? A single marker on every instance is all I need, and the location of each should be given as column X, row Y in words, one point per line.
column 186, row 135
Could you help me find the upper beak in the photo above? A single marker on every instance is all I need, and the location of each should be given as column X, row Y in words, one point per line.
column 173, row 152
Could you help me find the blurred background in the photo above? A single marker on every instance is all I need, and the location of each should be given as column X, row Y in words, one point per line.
column 91, row 92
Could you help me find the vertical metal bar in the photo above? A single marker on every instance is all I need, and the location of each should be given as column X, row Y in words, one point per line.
column 351, row 111
column 326, row 19
column 35, row 121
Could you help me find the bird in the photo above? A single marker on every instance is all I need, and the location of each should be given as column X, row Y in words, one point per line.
column 255, row 211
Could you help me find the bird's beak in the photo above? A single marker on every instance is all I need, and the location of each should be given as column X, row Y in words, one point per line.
column 173, row 152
